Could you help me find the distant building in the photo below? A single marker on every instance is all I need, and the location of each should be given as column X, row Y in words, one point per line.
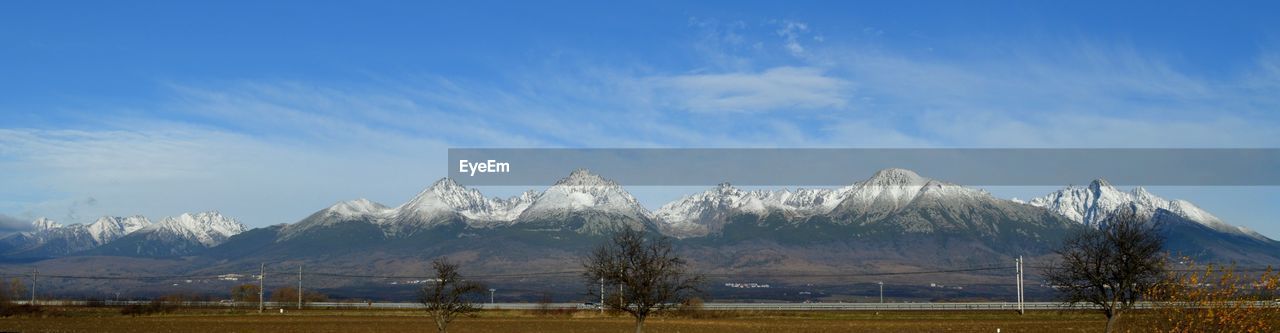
column 415, row 281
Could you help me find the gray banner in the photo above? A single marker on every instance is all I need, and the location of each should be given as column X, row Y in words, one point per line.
column 837, row 167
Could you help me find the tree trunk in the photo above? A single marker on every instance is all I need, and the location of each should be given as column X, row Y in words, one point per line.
column 442, row 326
column 639, row 324
column 1112, row 318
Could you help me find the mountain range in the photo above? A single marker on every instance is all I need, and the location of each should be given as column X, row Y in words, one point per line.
column 127, row 236
column 895, row 218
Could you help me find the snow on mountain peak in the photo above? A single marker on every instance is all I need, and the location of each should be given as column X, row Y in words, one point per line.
column 357, row 207
column 1092, row 204
column 445, row 184
column 344, row 211
column 583, row 190
column 584, row 177
column 79, row 236
column 703, row 213
column 891, row 189
column 445, row 198
column 896, row 177
column 208, row 228
column 109, row 228
column 886, row 190
column 45, row 224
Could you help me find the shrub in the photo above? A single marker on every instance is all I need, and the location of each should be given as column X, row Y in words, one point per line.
column 153, row 307
column 691, row 308
column 1216, row 298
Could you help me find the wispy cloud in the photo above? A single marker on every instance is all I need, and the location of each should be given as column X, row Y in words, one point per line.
column 275, row 150
column 781, row 88
column 792, row 32
column 1077, row 96
column 159, row 170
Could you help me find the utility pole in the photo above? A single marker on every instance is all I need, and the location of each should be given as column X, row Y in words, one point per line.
column 601, row 295
column 35, row 276
column 299, row 286
column 881, row 283
column 1021, row 293
column 262, row 276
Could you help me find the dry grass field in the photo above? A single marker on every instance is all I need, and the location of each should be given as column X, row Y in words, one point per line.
column 108, row 320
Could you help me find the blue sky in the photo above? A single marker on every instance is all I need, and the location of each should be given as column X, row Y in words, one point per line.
column 268, row 112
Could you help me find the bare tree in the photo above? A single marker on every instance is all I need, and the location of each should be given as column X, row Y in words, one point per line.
column 1110, row 267
column 17, row 288
column 247, row 292
column 449, row 295
column 641, row 275
column 288, row 296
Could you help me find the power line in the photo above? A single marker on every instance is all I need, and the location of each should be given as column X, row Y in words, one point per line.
column 141, row 278
column 284, row 274
column 1188, row 270
column 504, row 275
column 851, row 274
column 475, row 276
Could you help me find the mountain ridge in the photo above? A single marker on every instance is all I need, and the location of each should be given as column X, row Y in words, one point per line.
column 583, row 204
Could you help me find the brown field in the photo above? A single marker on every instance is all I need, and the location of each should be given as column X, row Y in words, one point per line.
column 109, row 320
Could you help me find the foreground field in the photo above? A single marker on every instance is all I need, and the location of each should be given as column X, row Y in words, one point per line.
column 104, row 320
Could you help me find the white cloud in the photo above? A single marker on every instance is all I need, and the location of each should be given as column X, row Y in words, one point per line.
column 1077, row 96
column 1058, row 131
column 166, row 170
column 780, row 88
column 791, row 33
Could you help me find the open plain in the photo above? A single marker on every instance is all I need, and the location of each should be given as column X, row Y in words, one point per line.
column 81, row 319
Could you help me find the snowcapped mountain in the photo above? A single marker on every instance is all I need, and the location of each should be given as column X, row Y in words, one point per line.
column 51, row 238
column 357, row 207
column 110, row 228
column 890, row 190
column 446, row 202
column 358, row 210
column 585, row 203
column 899, row 200
column 893, row 197
column 807, row 201
column 175, row 235
column 893, row 204
column 706, row 213
column 1093, row 204
column 44, row 224
column 443, row 203
column 897, row 215
column 583, row 190
column 207, row 228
